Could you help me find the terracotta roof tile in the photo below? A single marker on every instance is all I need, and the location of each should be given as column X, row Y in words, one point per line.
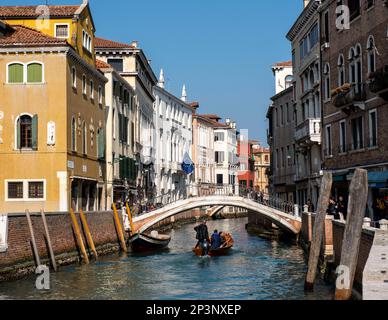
column 104, row 43
column 283, row 64
column 26, row 37
column 7, row 12
column 102, row 64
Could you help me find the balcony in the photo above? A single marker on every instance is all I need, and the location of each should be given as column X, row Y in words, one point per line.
column 350, row 97
column 309, row 131
column 378, row 82
column 147, row 155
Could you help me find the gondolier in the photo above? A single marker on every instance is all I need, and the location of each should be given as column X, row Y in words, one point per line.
column 203, row 237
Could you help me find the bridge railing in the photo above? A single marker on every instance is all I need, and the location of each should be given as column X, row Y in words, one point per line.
column 205, row 190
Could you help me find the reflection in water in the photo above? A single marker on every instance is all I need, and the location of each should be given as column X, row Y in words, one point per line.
column 255, row 269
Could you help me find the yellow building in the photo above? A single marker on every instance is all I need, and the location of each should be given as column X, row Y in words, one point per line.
column 262, row 165
column 52, row 120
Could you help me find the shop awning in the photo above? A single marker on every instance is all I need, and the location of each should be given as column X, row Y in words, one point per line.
column 378, row 177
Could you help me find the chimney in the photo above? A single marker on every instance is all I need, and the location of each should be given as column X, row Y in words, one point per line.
column 306, row 2
column 161, row 79
column 184, row 94
column 134, row 44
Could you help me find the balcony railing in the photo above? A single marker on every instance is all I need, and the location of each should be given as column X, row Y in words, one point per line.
column 351, row 96
column 309, row 131
column 378, row 82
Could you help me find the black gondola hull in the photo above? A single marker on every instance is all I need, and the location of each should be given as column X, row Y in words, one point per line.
column 146, row 243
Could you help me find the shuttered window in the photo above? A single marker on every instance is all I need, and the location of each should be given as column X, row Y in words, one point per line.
column 15, row 73
column 34, row 73
column 101, row 144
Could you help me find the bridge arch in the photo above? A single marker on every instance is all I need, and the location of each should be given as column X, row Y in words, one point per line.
column 284, row 221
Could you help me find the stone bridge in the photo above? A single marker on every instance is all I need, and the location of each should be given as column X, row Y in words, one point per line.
column 285, row 221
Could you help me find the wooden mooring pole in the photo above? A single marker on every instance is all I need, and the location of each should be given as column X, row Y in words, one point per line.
column 33, row 241
column 119, row 229
column 89, row 237
column 319, row 228
column 130, row 219
column 79, row 236
column 358, row 198
column 48, row 238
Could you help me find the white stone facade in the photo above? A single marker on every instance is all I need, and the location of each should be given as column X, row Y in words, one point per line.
column 174, row 137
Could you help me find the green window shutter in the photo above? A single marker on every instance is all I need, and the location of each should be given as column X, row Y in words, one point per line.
column 120, row 127
column 34, row 130
column 101, row 145
column 15, row 73
column 121, row 165
column 18, row 137
column 126, row 129
column 34, row 73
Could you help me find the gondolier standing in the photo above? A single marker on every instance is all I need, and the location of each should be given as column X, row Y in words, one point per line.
column 203, row 237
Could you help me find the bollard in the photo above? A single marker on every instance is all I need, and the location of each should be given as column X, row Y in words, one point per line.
column 367, row 223
column 89, row 237
column 33, row 241
column 384, row 225
column 48, row 238
column 130, row 218
column 78, row 235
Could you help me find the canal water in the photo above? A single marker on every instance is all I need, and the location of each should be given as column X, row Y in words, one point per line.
column 256, row 269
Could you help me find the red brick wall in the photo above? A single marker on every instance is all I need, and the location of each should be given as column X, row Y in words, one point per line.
column 101, row 226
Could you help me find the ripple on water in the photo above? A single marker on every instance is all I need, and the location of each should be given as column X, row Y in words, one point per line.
column 256, row 269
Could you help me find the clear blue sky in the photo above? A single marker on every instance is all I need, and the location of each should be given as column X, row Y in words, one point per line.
column 221, row 49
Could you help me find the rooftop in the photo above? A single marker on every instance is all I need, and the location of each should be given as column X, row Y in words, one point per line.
column 7, row 12
column 109, row 44
column 21, row 36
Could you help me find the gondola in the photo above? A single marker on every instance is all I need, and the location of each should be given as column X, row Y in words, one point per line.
column 223, row 251
column 213, row 252
column 142, row 242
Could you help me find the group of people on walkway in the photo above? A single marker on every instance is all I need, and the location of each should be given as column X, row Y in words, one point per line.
column 336, row 208
column 216, row 241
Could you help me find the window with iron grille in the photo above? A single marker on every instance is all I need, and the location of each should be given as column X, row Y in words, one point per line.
column 15, row 190
column 35, row 190
column 62, row 31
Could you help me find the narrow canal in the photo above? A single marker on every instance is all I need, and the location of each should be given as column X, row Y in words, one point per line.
column 256, row 269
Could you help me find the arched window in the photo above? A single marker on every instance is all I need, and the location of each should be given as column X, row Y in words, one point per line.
column 73, row 135
column 73, row 77
column 27, row 132
column 15, row 73
column 84, row 138
column 327, row 88
column 34, row 72
column 289, row 80
column 91, row 89
column 341, row 70
column 84, row 84
column 357, row 79
column 371, row 54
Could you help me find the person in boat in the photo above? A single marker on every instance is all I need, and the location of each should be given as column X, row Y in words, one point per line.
column 215, row 240
column 226, row 239
column 202, row 237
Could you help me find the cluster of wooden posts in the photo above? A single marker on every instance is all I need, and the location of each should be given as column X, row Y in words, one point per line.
column 358, row 196
column 78, row 235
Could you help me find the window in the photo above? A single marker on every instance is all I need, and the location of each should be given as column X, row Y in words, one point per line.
column 34, row 73
column 219, row 157
column 15, row 73
column 84, row 84
column 36, row 190
column 91, row 89
column 369, row 4
column 288, row 112
column 313, row 36
column 371, row 54
column 219, row 136
column 373, row 128
column 282, row 155
column 73, row 135
column 220, row 179
column 74, row 77
column 355, row 66
column 343, row 136
column 15, row 190
column 117, row 64
column 354, row 9
column 326, row 84
column 26, row 132
column 100, row 95
column 86, row 41
column 329, row 146
column 358, row 133
column 326, row 27
column 341, row 70
column 84, row 138
column 62, row 31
